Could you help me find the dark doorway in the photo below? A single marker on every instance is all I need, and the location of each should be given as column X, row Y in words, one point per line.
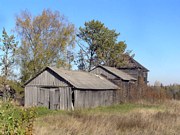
column 73, row 100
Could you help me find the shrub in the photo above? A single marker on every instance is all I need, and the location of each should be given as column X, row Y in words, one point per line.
column 15, row 120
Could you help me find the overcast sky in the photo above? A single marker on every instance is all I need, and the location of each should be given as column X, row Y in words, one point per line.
column 151, row 28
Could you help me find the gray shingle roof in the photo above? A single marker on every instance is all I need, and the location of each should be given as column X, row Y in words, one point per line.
column 119, row 73
column 84, row 80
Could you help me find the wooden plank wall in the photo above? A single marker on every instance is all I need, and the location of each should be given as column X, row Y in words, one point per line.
column 61, row 98
column 27, row 96
column 93, row 98
column 136, row 73
column 52, row 98
column 43, row 97
column 47, row 78
column 123, row 94
column 55, row 98
column 132, row 72
column 31, row 96
column 65, row 98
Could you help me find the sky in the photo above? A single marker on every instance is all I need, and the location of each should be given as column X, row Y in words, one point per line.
column 150, row 28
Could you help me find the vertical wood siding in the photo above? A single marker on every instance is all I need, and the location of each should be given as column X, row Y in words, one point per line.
column 61, row 98
column 132, row 72
column 64, row 100
column 136, row 73
column 31, row 96
column 47, row 78
column 52, row 98
column 93, row 98
column 122, row 94
column 126, row 92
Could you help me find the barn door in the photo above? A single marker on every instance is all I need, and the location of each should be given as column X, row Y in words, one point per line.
column 54, row 99
column 43, row 99
column 49, row 97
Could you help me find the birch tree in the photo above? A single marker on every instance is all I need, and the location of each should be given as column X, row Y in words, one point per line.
column 44, row 41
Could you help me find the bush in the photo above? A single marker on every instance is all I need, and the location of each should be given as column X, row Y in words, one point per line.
column 15, row 120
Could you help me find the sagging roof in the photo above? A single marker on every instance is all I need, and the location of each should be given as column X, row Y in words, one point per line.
column 132, row 63
column 118, row 73
column 82, row 80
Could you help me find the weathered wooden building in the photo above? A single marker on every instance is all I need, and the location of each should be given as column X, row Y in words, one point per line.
column 118, row 77
column 64, row 89
column 135, row 69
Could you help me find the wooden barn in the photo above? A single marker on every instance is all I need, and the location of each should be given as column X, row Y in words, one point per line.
column 135, row 69
column 64, row 89
column 118, row 77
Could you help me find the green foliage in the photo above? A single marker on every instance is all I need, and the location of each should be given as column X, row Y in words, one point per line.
column 7, row 49
column 121, row 108
column 101, row 45
column 81, row 61
column 15, row 120
column 17, row 87
column 44, row 41
column 41, row 111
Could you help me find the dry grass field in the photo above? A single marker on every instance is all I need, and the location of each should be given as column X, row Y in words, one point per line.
column 124, row 119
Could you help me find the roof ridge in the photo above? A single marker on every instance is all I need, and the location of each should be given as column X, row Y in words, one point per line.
column 73, row 77
column 123, row 74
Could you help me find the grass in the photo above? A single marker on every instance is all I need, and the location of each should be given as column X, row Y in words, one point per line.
column 123, row 119
column 114, row 109
column 123, row 108
column 42, row 111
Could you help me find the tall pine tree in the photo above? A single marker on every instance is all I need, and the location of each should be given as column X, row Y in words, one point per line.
column 100, row 45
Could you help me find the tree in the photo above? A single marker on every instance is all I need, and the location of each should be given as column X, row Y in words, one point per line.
column 8, row 49
column 70, row 58
column 44, row 41
column 101, row 44
column 81, row 61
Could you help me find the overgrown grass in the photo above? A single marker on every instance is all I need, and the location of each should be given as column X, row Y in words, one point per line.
column 118, row 108
column 123, row 119
column 123, row 108
column 42, row 111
